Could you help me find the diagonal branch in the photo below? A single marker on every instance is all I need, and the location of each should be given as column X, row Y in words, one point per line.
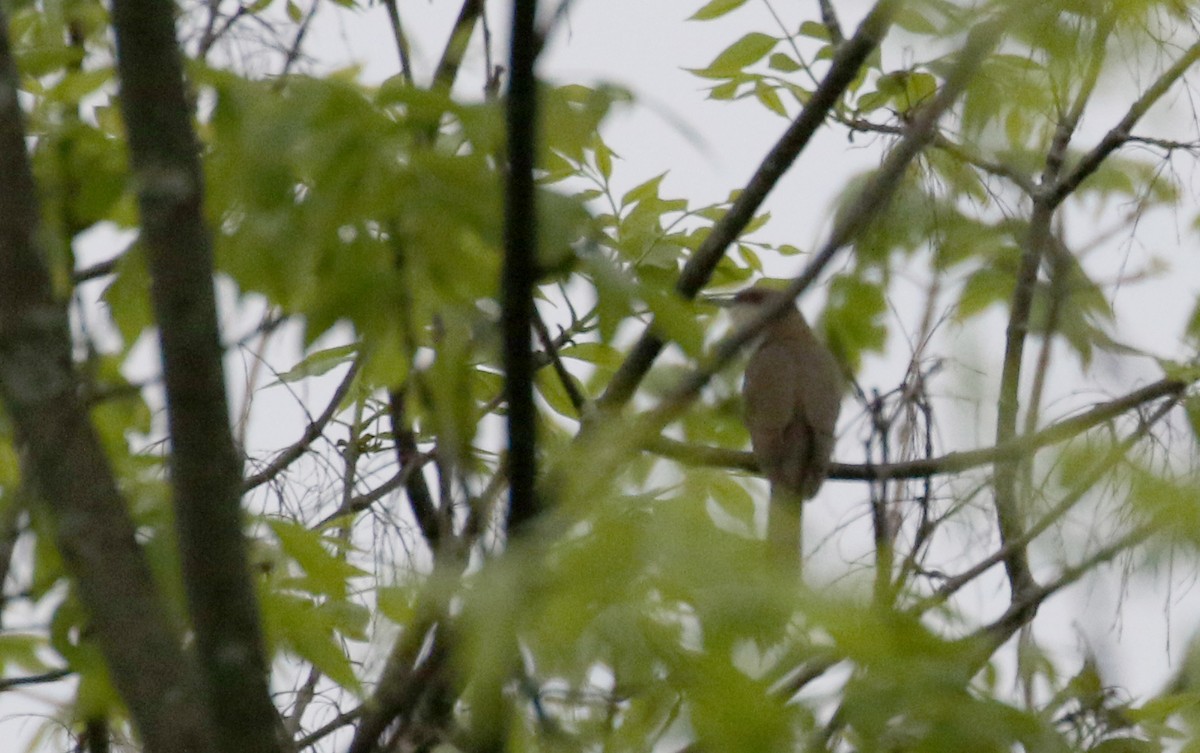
column 874, row 197
column 849, row 59
column 402, row 49
column 1120, row 133
column 290, row 454
column 1018, row 613
column 456, row 46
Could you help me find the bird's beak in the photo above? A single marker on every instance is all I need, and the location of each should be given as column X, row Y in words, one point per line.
column 724, row 301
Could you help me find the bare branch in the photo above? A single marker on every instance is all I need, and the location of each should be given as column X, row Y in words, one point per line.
column 850, row 57
column 953, row 462
column 550, row 352
column 293, row 452
column 363, row 501
column 830, row 20
column 1119, row 134
column 1081, row 487
column 456, row 45
column 401, row 41
column 53, row 675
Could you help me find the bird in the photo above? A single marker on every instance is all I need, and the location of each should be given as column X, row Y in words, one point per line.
column 792, row 394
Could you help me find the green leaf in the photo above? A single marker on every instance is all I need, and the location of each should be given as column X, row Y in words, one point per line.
column 746, row 51
column 768, row 97
column 603, row 157
column 555, row 394
column 595, row 353
column 327, row 574
column 643, row 191
column 1192, row 330
column 911, row 19
column 734, row 499
column 815, row 30
column 676, row 320
column 309, row 632
column 318, row 363
column 21, row 650
column 853, row 320
column 128, row 296
column 716, row 9
column 395, row 603
column 984, row 288
column 782, row 62
column 729, row 90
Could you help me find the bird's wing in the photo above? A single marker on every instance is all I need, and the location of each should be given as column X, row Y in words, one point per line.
column 822, row 391
column 772, row 397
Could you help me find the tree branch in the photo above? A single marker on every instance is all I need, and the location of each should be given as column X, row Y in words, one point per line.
column 519, row 272
column 411, row 460
column 363, row 501
column 696, row 272
column 1119, row 134
column 401, row 41
column 1081, row 487
column 205, row 465
column 69, row 473
column 550, row 352
column 456, row 45
column 293, row 452
column 53, row 675
column 952, row 462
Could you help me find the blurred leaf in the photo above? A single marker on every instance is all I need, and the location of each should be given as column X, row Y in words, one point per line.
column 768, row 97
column 318, row 363
column 128, row 296
column 716, row 9
column 853, row 319
column 327, row 573
column 310, row 632
column 783, row 63
column 744, row 52
column 815, row 31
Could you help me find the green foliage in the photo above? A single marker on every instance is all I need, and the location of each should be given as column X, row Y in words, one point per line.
column 307, row 604
column 643, row 607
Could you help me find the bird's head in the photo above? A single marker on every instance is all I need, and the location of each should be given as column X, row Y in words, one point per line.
column 748, row 304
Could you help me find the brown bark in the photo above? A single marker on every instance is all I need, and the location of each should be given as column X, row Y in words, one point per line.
column 205, row 466
column 70, row 472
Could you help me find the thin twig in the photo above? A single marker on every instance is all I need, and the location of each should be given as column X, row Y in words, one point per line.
column 952, row 462
column 1119, row 134
column 289, row 455
column 53, row 675
column 550, row 351
column 696, row 272
column 1081, row 487
column 401, row 41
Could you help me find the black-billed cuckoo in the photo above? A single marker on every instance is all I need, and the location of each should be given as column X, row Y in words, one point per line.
column 792, row 393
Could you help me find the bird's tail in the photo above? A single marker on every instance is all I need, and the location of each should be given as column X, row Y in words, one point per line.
column 785, row 529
